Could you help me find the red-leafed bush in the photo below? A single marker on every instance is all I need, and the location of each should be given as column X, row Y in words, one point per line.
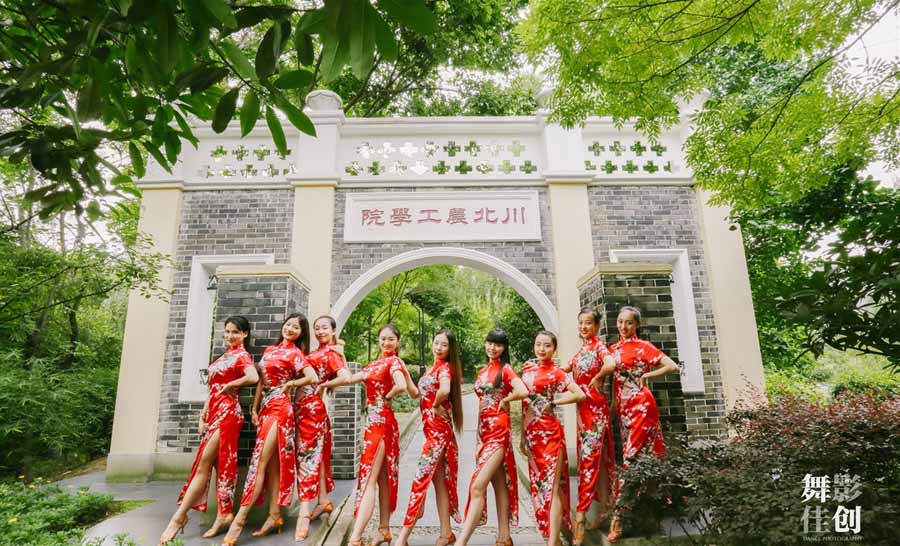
column 749, row 490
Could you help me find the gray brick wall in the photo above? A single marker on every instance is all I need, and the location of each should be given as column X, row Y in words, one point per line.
column 349, row 261
column 214, row 223
column 264, row 301
column 666, row 217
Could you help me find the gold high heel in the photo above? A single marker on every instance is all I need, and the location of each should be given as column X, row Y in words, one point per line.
column 386, row 537
column 320, row 510
column 277, row 524
column 301, row 535
column 507, row 542
column 166, row 538
column 235, row 524
column 578, row 532
column 446, row 541
column 217, row 526
column 615, row 529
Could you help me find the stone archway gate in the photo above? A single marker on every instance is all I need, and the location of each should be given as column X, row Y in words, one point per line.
column 594, row 215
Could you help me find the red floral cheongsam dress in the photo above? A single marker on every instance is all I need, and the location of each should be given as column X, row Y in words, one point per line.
column 638, row 414
column 279, row 364
column 381, row 426
column 439, row 442
column 545, row 440
column 313, row 425
column 595, row 444
column 223, row 416
column 494, row 432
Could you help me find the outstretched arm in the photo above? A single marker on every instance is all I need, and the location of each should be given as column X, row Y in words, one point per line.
column 667, row 366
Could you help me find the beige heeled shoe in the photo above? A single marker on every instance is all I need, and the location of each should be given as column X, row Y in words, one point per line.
column 218, row 525
column 168, row 536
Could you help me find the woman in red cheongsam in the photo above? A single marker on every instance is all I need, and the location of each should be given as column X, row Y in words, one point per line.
column 544, row 440
column 283, row 367
column 380, row 457
column 220, row 427
column 596, row 458
column 638, row 414
column 441, row 399
column 496, row 385
column 314, row 481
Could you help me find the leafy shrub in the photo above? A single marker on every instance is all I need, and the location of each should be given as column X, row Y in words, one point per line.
column 45, row 515
column 748, row 490
column 51, row 416
column 402, row 403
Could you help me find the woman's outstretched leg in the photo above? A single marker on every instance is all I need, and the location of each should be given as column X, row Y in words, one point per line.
column 478, row 495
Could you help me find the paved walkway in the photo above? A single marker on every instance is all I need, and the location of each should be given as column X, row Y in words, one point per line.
column 428, row 528
column 146, row 523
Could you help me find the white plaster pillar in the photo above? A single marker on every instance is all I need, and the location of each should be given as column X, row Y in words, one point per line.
column 131, row 454
column 573, row 251
column 740, row 359
column 314, row 184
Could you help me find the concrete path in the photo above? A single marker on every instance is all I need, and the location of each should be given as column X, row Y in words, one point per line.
column 146, row 523
column 428, row 528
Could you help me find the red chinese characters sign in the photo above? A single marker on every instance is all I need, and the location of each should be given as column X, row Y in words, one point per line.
column 442, row 216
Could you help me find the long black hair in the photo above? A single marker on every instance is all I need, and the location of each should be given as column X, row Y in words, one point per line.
column 242, row 324
column 500, row 337
column 455, row 377
column 303, row 341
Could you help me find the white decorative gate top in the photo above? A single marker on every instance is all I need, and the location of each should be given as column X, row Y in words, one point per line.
column 427, row 151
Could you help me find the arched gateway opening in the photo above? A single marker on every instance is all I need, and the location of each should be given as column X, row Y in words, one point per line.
column 407, row 261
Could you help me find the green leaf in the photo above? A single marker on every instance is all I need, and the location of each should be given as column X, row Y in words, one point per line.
column 154, row 151
column 221, row 11
column 334, row 56
column 312, row 22
column 186, row 131
column 294, row 79
column 249, row 113
column 412, row 14
column 277, row 131
column 173, row 146
column 240, row 61
column 265, row 55
column 384, row 38
column 88, row 103
column 167, row 38
column 40, row 155
column 225, row 110
column 137, row 160
column 304, row 45
column 296, row 116
column 208, row 78
column 160, row 126
column 362, row 38
column 94, row 212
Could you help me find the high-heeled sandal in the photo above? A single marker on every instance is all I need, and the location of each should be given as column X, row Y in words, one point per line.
column 446, row 541
column 166, row 537
column 235, row 524
column 386, row 537
column 266, row 529
column 218, row 525
column 320, row 510
column 615, row 530
column 578, row 532
column 507, row 542
column 302, row 534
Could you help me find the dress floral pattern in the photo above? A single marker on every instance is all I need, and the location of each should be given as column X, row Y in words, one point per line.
column 638, row 413
column 381, row 426
column 595, row 441
column 439, row 442
column 313, row 425
column 494, row 432
column 225, row 417
column 279, row 364
column 545, row 440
